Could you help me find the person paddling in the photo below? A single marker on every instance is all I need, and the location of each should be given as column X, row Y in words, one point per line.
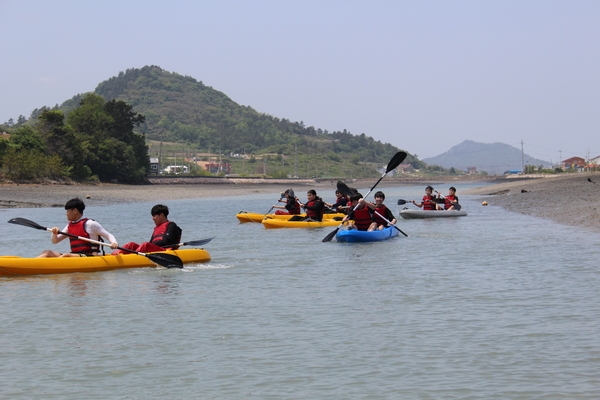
column 340, row 204
column 291, row 204
column 166, row 234
column 79, row 226
column 428, row 202
column 313, row 207
column 360, row 217
column 450, row 200
column 380, row 210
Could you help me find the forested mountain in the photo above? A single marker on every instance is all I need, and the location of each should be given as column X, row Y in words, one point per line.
column 109, row 134
column 181, row 109
column 494, row 158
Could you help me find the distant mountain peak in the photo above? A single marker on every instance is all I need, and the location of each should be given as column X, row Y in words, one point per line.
column 494, row 158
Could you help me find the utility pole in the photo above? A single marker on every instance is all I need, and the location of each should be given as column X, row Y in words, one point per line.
column 522, row 158
column 560, row 157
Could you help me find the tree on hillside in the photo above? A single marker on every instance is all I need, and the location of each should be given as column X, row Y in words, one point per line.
column 113, row 150
column 62, row 141
column 25, row 137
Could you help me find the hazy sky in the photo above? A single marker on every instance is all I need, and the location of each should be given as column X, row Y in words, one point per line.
column 422, row 75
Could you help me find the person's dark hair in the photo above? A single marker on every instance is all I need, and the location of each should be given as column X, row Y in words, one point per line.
column 380, row 194
column 429, row 187
column 75, row 203
column 452, row 188
column 160, row 209
column 356, row 196
column 314, row 193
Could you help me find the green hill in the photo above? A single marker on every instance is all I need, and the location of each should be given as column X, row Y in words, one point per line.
column 183, row 110
column 184, row 121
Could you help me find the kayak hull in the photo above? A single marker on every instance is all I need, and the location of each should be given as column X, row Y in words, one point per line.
column 418, row 214
column 354, row 235
column 13, row 265
column 273, row 223
column 244, row 216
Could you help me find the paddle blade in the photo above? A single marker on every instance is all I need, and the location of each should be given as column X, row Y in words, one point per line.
column 165, row 260
column 395, row 161
column 457, row 207
column 401, row 202
column 344, row 189
column 330, row 236
column 26, row 222
column 197, row 242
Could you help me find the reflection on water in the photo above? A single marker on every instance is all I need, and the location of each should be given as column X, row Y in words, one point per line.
column 77, row 285
column 492, row 306
column 166, row 285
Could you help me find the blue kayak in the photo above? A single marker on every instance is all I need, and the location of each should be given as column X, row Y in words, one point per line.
column 354, row 235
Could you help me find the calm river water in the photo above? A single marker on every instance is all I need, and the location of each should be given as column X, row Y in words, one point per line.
column 494, row 305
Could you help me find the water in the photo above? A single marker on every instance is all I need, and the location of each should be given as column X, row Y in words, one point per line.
column 494, row 305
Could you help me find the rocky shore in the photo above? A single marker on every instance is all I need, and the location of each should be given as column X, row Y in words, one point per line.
column 569, row 199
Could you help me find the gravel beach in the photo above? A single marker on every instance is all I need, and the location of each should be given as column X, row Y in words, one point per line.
column 569, row 199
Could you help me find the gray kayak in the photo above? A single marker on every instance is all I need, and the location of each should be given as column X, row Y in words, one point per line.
column 412, row 214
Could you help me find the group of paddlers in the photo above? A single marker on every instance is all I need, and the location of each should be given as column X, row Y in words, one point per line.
column 84, row 234
column 437, row 201
column 360, row 214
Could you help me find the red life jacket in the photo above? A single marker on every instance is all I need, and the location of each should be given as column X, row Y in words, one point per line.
column 314, row 214
column 363, row 218
column 293, row 206
column 81, row 246
column 428, row 203
column 377, row 218
column 448, row 201
column 159, row 233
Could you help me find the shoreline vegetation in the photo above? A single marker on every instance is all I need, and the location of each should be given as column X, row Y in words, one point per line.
column 569, row 199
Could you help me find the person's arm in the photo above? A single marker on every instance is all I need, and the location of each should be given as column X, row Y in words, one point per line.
column 96, row 228
column 389, row 215
column 348, row 217
column 372, row 206
column 57, row 237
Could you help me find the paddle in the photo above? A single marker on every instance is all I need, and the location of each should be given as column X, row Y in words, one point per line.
column 390, row 223
column 273, row 206
column 402, row 201
column 196, row 242
column 346, row 191
column 165, row 260
column 457, row 206
column 394, row 162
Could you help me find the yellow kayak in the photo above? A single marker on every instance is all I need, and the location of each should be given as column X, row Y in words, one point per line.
column 244, row 216
column 280, row 223
column 14, row 265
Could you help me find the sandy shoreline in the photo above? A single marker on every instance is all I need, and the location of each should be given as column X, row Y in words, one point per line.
column 569, row 199
column 55, row 195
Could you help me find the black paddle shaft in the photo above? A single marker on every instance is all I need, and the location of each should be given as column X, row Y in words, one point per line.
column 394, row 162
